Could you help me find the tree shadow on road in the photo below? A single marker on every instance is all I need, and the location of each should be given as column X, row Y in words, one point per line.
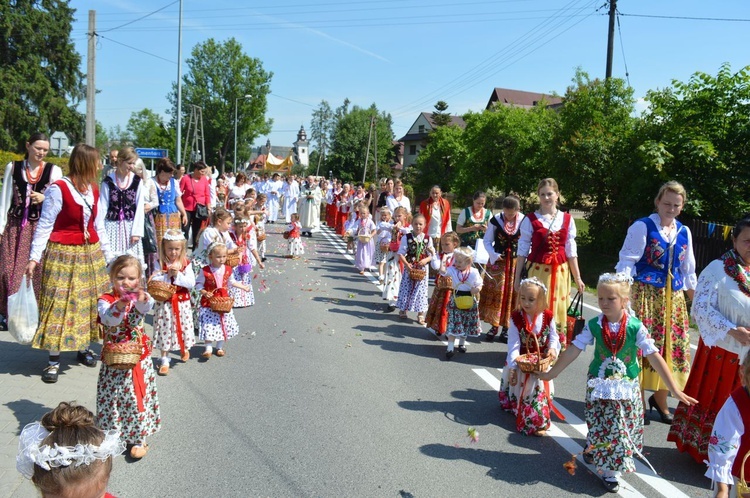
column 470, row 407
column 22, row 359
column 26, row 412
column 430, row 350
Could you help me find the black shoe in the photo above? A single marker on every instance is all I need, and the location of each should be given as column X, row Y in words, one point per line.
column 462, row 349
column 263, row 260
column 612, row 484
column 87, row 357
column 49, row 374
column 666, row 418
column 588, row 457
column 503, row 336
column 390, row 308
column 490, row 336
column 449, row 355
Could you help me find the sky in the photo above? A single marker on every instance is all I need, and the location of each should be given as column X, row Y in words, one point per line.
column 404, row 55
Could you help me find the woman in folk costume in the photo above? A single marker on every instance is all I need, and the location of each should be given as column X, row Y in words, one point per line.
column 658, row 255
column 401, row 226
column 437, row 212
column 173, row 319
column 74, row 272
column 721, row 309
column 344, row 204
column 20, row 207
column 437, row 312
column 171, row 214
column 473, row 220
column 548, row 242
column 498, row 299
column 330, row 197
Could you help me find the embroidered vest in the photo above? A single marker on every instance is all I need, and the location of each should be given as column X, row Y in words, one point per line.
column 122, row 201
column 412, row 246
column 543, row 336
column 505, row 242
column 20, row 187
column 167, row 197
column 68, row 227
column 210, row 284
column 742, row 400
column 469, row 238
column 551, row 250
column 654, row 265
column 628, row 354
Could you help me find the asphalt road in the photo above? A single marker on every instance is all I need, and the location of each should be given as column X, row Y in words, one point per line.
column 325, row 394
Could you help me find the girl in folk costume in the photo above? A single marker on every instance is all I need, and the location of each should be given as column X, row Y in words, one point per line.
column 331, row 207
column 382, row 241
column 614, row 406
column 350, row 230
column 658, row 254
column 20, row 207
column 498, row 298
column 214, row 280
column 529, row 397
column 173, row 319
column 245, row 239
column 295, row 247
column 261, row 217
column 392, row 284
column 126, row 400
column 437, row 212
column 729, row 443
column 437, row 313
column 121, row 201
column 472, row 221
column 74, row 273
column 463, row 312
column 343, row 201
column 218, row 231
column 548, row 242
column 414, row 253
column 363, row 260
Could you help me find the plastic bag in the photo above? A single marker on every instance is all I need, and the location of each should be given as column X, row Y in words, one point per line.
column 23, row 313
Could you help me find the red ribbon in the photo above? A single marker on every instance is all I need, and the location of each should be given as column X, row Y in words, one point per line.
column 139, row 381
column 176, row 299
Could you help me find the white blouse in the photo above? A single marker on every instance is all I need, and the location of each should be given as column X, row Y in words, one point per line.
column 6, row 197
column 200, row 281
column 642, row 339
column 210, row 235
column 473, row 280
column 718, row 306
column 392, row 203
column 53, row 203
column 110, row 316
column 527, row 230
column 385, row 232
column 724, row 443
column 489, row 235
column 514, row 337
column 185, row 277
column 140, row 203
column 635, row 244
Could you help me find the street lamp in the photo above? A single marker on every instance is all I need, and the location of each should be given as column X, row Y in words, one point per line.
column 236, row 102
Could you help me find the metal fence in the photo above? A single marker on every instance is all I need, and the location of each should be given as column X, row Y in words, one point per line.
column 710, row 240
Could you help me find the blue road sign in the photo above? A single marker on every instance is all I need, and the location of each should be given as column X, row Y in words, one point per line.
column 152, row 153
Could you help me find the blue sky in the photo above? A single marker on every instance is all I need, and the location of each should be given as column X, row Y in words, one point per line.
column 404, row 55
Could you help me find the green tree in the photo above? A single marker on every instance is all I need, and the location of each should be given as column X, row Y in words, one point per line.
column 436, row 162
column 322, row 124
column 148, row 130
column 441, row 116
column 41, row 84
column 218, row 74
column 699, row 131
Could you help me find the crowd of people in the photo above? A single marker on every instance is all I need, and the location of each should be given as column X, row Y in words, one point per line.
column 101, row 255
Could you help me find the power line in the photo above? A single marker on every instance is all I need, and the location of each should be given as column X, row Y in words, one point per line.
column 140, row 18
column 133, row 48
column 622, row 46
column 687, row 18
column 291, row 100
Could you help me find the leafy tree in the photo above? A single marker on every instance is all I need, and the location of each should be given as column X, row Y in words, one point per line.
column 440, row 116
column 436, row 163
column 148, row 130
column 219, row 73
column 41, row 83
column 322, row 124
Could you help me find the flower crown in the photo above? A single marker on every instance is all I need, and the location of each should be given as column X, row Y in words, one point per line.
column 48, row 457
column 174, row 235
column 534, row 281
column 615, row 278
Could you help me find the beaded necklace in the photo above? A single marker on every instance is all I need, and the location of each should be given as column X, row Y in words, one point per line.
column 614, row 344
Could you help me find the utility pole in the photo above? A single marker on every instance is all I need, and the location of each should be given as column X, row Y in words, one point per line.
column 367, row 154
column 91, row 83
column 179, row 89
column 375, row 125
column 322, row 146
column 611, row 36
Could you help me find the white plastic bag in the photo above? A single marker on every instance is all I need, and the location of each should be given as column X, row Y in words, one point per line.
column 23, row 313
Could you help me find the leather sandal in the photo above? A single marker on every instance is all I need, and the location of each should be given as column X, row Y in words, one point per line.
column 220, row 352
column 164, row 370
column 139, row 452
column 185, row 355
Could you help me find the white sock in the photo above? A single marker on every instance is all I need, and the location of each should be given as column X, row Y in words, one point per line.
column 219, row 344
column 462, row 341
column 208, row 346
column 165, row 360
column 451, row 344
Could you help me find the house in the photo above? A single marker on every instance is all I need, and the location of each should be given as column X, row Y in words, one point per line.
column 260, row 155
column 416, row 138
column 520, row 98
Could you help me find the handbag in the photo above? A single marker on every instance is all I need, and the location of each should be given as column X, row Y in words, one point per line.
column 23, row 313
column 149, row 235
column 201, row 212
column 575, row 320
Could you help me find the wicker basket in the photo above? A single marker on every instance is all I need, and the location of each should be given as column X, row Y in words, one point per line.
column 261, row 236
column 743, row 490
column 122, row 355
column 286, row 235
column 233, row 259
column 417, row 273
column 364, row 238
column 444, row 282
column 221, row 304
column 533, row 362
column 161, row 291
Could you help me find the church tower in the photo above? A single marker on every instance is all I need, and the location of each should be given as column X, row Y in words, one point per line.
column 301, row 148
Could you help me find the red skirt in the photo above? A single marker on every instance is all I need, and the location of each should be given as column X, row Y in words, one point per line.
column 713, row 377
column 331, row 215
column 340, row 220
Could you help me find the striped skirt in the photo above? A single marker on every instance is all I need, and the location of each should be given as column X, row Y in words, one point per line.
column 557, row 298
column 164, row 222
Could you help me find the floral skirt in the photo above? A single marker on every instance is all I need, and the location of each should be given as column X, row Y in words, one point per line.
column 216, row 326
column 242, row 298
column 295, row 246
column 392, row 278
column 498, row 298
column 527, row 400
column 73, row 278
column 713, row 377
column 650, row 306
column 165, row 326
column 560, row 294
column 437, row 312
column 15, row 248
column 164, row 222
column 118, row 234
column 463, row 323
column 412, row 294
column 117, row 406
column 615, row 432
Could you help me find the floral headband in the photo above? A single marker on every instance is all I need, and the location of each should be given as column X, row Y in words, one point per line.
column 534, row 281
column 48, row 457
column 174, row 235
column 615, row 278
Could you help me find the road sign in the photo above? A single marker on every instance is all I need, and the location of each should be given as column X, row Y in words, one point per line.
column 58, row 143
column 152, row 153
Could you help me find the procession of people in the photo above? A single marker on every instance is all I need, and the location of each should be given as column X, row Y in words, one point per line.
column 83, row 247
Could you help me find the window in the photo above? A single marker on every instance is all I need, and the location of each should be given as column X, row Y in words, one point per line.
column 421, row 128
column 412, row 150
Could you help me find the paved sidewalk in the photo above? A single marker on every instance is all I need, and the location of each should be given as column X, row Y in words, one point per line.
column 24, row 398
